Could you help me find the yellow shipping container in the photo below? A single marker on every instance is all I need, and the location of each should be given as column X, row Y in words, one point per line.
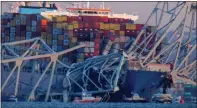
column 28, row 28
column 49, row 42
column 112, row 26
column 117, row 27
column 43, row 34
column 45, row 39
column 60, row 37
column 74, row 39
column 70, row 27
column 54, row 18
column 131, row 26
column 122, row 33
column 59, row 25
column 64, row 18
column 23, row 22
column 12, row 23
column 106, row 27
column 76, row 25
column 80, row 60
column 49, row 16
column 102, row 25
column 17, row 17
column 59, row 19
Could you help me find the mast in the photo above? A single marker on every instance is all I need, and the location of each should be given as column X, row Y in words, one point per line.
column 88, row 3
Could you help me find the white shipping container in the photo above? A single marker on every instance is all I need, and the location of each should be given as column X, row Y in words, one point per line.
column 116, row 46
column 91, row 44
column 92, row 50
column 87, row 49
column 117, row 40
column 109, row 42
column 107, row 47
column 105, row 52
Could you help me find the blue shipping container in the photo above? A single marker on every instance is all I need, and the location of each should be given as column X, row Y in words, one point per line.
column 54, row 42
column 28, row 35
column 91, row 35
column 18, row 22
column 3, row 34
column 12, row 39
column 33, row 29
column 12, row 35
column 12, row 29
column 39, row 17
column 33, row 23
column 23, row 17
column 55, row 37
column 65, row 42
column 54, row 48
column 57, row 31
column 59, row 48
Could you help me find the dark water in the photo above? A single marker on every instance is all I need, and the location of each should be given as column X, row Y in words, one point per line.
column 92, row 105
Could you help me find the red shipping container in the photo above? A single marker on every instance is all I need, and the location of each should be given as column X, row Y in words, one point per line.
column 112, row 38
column 86, row 55
column 116, row 21
column 4, row 21
column 23, row 33
column 70, row 33
column 79, row 19
column 117, row 32
column 132, row 33
column 103, row 19
column 139, row 26
column 96, row 25
column 44, row 28
column 36, row 34
column 34, row 17
column 44, row 22
column 28, row 21
column 76, row 30
column 38, row 28
column 96, row 52
column 91, row 54
column 86, row 29
column 49, row 29
column 86, row 25
column 97, row 41
column 80, row 25
column 97, row 46
column 106, row 33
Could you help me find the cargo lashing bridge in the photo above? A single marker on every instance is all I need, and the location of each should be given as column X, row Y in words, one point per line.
column 108, row 69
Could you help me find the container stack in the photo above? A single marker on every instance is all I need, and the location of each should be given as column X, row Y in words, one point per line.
column 189, row 92
column 63, row 32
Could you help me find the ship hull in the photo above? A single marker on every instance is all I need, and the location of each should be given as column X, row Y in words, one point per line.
column 144, row 83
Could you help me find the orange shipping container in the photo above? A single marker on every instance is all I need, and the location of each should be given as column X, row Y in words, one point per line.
column 44, row 22
column 122, row 33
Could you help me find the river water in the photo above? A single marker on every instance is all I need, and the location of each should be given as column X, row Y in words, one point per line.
column 91, row 105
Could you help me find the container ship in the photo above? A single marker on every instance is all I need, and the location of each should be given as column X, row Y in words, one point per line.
column 104, row 33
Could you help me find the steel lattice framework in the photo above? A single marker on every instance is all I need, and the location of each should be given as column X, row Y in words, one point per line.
column 166, row 16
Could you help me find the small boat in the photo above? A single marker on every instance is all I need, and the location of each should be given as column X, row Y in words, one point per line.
column 87, row 99
column 135, row 99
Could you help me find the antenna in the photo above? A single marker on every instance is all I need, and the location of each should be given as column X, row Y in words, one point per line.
column 103, row 5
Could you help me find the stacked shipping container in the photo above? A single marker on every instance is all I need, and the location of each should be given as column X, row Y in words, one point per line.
column 67, row 31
